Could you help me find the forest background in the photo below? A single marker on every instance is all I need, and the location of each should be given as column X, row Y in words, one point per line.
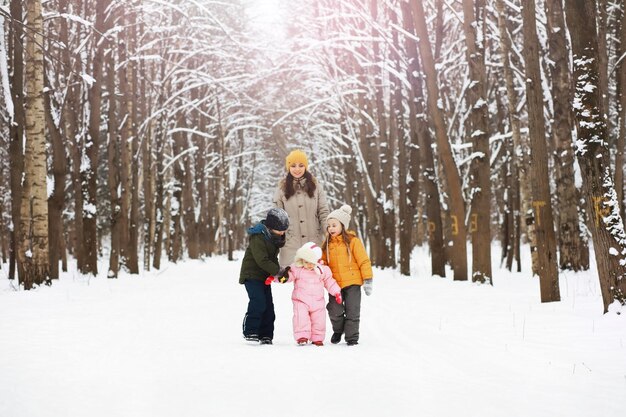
column 140, row 129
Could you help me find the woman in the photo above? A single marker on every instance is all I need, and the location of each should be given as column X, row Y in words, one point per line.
column 304, row 200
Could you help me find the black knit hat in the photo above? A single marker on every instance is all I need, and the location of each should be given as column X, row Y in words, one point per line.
column 277, row 219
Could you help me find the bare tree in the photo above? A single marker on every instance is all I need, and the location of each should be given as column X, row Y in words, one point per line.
column 543, row 219
column 480, row 217
column 621, row 94
column 89, row 177
column 573, row 250
column 16, row 129
column 406, row 207
column 458, row 252
column 56, row 201
column 421, row 139
column 33, row 255
column 592, row 152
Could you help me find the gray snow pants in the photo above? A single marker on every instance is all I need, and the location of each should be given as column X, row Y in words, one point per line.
column 345, row 317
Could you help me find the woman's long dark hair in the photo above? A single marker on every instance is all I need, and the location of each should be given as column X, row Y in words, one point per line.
column 309, row 185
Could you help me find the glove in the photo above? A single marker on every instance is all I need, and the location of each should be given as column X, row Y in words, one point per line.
column 269, row 280
column 338, row 298
column 283, row 275
column 368, row 286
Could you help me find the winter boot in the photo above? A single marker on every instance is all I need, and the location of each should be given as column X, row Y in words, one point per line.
column 266, row 341
column 318, row 343
column 335, row 338
column 352, row 343
column 251, row 337
column 302, row 341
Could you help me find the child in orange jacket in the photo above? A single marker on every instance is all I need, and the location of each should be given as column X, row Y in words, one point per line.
column 347, row 258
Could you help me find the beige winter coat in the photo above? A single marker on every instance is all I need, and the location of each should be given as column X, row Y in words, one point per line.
column 307, row 219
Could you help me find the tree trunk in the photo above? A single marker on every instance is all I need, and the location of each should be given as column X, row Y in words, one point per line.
column 89, row 174
column 507, row 196
column 621, row 96
column 126, row 136
column 406, row 211
column 480, row 216
column 159, row 184
column 113, row 160
column 188, row 201
column 521, row 153
column 592, row 152
column 71, row 116
column 4, row 245
column 385, row 159
column 132, row 262
column 33, row 257
column 159, row 197
column 202, row 182
column 422, row 141
column 543, row 219
column 16, row 129
column 366, row 143
column 458, row 251
column 56, row 200
column 573, row 250
column 603, row 55
column 175, row 230
column 148, row 194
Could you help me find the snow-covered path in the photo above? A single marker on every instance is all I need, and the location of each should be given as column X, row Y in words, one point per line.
column 169, row 344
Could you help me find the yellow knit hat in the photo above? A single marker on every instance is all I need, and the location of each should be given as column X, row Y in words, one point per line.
column 295, row 157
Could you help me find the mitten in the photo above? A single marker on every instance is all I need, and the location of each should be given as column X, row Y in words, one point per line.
column 368, row 286
column 338, row 298
column 269, row 280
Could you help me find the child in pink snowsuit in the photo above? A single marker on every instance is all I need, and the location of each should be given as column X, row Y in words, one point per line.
column 309, row 305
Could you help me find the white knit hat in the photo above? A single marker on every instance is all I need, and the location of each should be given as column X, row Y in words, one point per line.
column 342, row 214
column 308, row 252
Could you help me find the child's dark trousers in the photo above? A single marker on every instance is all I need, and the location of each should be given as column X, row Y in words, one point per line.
column 259, row 319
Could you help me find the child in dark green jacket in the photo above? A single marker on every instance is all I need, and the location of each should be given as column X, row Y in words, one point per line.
column 259, row 262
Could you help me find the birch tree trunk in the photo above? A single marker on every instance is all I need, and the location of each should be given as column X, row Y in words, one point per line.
column 33, row 254
column 592, row 152
column 458, row 251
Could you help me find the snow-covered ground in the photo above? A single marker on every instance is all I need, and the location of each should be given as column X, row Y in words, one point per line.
column 168, row 343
